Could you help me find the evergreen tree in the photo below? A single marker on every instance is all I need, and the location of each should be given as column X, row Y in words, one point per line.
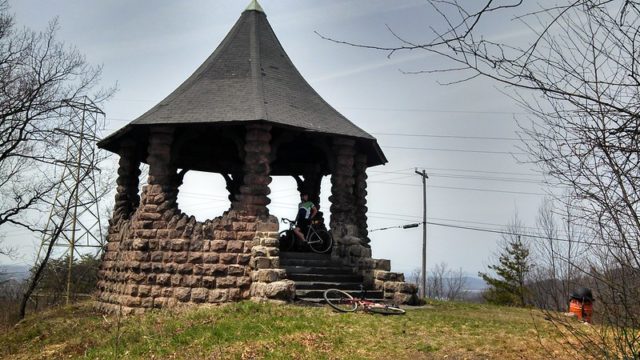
column 508, row 286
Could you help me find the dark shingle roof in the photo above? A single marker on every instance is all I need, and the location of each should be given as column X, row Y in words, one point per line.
column 249, row 77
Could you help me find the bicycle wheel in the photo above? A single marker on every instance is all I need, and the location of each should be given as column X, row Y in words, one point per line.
column 340, row 300
column 287, row 239
column 320, row 241
column 386, row 310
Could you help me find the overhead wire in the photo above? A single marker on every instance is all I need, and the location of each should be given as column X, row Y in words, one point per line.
column 455, row 150
column 452, row 136
column 458, row 170
column 502, row 232
column 462, row 188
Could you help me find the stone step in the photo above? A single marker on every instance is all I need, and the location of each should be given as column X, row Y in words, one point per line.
column 304, row 255
column 318, row 270
column 334, row 278
column 317, row 285
column 309, row 262
column 319, row 294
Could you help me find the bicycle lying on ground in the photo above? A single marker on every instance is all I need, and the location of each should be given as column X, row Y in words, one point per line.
column 318, row 239
column 344, row 302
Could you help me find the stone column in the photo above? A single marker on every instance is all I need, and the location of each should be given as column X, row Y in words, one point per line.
column 310, row 185
column 360, row 193
column 127, row 198
column 233, row 183
column 312, row 182
column 342, row 197
column 162, row 188
column 159, row 156
column 254, row 192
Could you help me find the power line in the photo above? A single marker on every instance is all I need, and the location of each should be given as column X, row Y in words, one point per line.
column 423, row 110
column 456, row 150
column 452, row 169
column 480, row 171
column 467, row 177
column 451, row 136
column 502, row 232
column 462, row 188
column 471, row 177
column 437, row 111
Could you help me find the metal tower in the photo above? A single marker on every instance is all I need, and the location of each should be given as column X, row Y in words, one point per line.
column 74, row 219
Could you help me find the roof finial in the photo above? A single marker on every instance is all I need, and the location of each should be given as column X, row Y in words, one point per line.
column 254, row 6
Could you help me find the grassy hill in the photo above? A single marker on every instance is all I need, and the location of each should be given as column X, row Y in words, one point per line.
column 254, row 331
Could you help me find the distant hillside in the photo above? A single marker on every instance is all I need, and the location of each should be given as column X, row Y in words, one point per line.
column 14, row 272
column 473, row 283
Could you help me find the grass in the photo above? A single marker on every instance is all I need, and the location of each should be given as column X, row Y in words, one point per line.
column 249, row 330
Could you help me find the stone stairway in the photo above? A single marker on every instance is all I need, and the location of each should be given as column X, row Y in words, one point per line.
column 314, row 273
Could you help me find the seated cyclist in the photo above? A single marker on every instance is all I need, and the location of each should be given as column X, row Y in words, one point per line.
column 306, row 211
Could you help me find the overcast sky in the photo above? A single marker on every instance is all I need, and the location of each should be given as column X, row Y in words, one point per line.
column 463, row 135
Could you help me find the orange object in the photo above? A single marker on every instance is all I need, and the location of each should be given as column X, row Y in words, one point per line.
column 582, row 309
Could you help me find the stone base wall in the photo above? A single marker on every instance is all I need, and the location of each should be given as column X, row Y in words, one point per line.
column 267, row 279
column 348, row 247
column 352, row 251
column 395, row 288
column 161, row 257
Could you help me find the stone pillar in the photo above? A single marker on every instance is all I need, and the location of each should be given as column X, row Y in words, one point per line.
column 310, row 185
column 161, row 191
column 342, row 181
column 312, row 182
column 233, row 183
column 127, row 198
column 360, row 193
column 268, row 280
column 254, row 192
column 159, row 156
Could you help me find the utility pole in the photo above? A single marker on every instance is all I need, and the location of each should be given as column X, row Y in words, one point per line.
column 423, row 173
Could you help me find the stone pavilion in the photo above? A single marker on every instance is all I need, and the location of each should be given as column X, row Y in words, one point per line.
column 246, row 113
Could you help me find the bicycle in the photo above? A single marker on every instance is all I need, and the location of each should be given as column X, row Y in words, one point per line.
column 344, row 302
column 319, row 240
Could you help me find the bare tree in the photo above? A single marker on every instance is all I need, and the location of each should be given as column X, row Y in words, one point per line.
column 6, row 250
column 445, row 284
column 40, row 81
column 39, row 76
column 579, row 77
column 436, row 282
column 559, row 257
column 415, row 277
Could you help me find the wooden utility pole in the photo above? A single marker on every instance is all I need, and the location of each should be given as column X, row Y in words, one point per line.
column 423, row 173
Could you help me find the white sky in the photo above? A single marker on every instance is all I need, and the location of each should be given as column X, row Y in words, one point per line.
column 149, row 48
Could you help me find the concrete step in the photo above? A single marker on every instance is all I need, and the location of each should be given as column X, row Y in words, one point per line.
column 333, row 278
column 314, row 273
column 304, row 255
column 318, row 270
column 317, row 285
column 309, row 262
column 319, row 294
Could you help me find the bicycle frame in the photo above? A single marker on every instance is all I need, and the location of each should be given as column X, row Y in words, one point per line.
column 345, row 302
column 310, row 229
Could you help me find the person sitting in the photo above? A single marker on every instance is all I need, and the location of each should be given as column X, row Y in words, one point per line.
column 306, row 211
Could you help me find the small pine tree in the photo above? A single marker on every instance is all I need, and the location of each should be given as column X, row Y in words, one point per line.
column 508, row 287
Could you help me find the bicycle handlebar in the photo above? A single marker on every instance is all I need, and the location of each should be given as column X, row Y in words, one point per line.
column 285, row 220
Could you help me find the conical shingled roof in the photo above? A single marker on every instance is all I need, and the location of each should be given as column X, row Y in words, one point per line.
column 249, row 77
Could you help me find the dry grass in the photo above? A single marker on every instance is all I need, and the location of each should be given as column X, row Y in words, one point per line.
column 266, row 331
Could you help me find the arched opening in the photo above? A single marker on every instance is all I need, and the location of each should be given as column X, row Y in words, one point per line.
column 203, row 195
column 284, row 198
